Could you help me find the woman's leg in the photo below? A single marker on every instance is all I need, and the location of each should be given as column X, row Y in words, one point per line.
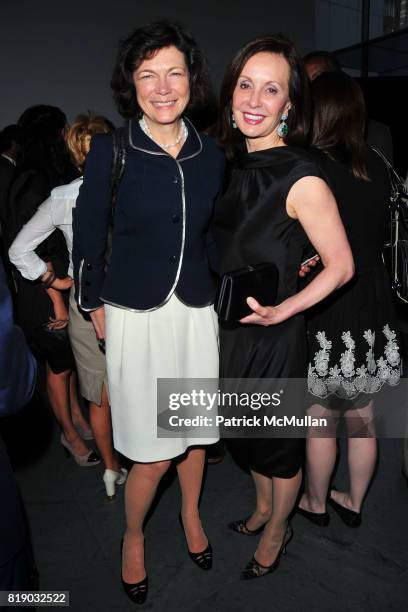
column 190, row 472
column 321, row 455
column 141, row 487
column 284, row 495
column 78, row 418
column 263, row 510
column 320, row 462
column 101, row 424
column 58, row 394
column 362, row 457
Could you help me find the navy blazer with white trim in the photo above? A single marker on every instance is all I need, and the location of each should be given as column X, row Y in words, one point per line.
column 162, row 218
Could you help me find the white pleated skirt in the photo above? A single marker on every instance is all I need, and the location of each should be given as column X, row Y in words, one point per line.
column 175, row 341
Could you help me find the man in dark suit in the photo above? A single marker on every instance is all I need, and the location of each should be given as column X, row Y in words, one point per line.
column 10, row 139
column 17, row 380
column 9, row 146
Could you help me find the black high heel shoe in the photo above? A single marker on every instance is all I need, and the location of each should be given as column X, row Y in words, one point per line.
column 322, row 519
column 349, row 517
column 202, row 559
column 240, row 526
column 254, row 569
column 137, row 592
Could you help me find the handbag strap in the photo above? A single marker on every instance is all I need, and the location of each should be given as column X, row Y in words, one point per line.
column 398, row 187
column 398, row 203
column 120, row 147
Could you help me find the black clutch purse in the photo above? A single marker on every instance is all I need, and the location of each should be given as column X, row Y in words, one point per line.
column 259, row 281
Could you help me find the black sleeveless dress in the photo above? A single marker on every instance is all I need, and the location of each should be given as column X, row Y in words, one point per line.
column 251, row 226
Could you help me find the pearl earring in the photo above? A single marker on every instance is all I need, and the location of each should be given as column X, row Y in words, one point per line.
column 234, row 125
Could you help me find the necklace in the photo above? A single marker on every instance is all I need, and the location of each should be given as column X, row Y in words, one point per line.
column 183, row 133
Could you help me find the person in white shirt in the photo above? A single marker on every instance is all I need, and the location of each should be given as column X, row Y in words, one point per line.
column 56, row 212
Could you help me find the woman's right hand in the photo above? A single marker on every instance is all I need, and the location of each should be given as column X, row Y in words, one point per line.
column 98, row 321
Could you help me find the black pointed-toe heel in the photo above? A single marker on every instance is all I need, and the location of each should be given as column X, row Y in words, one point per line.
column 137, row 591
column 254, row 569
column 240, row 526
column 202, row 559
column 322, row 519
column 349, row 517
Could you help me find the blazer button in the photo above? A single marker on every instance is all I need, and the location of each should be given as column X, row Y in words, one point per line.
column 175, row 180
column 175, row 218
column 85, row 298
column 173, row 258
column 89, row 267
column 87, row 284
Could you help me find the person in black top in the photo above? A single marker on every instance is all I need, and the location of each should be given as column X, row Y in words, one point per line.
column 275, row 201
column 353, row 340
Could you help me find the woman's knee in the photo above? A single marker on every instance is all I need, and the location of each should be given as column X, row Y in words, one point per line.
column 158, row 468
column 324, row 422
column 360, row 422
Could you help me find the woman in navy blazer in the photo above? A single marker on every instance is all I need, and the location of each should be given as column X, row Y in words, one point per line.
column 156, row 294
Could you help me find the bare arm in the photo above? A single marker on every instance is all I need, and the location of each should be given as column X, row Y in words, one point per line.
column 60, row 318
column 313, row 204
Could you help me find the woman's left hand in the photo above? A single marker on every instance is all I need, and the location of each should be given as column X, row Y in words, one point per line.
column 263, row 315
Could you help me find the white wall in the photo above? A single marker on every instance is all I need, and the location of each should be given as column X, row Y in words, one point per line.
column 62, row 53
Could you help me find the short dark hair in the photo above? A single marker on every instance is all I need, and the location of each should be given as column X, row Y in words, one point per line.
column 299, row 95
column 142, row 44
column 338, row 119
column 330, row 60
column 9, row 135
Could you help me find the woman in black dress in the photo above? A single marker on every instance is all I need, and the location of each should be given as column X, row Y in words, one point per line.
column 353, row 343
column 274, row 203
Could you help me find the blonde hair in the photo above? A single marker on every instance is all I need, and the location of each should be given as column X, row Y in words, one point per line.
column 79, row 135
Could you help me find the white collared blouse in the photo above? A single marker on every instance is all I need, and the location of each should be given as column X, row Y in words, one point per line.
column 54, row 212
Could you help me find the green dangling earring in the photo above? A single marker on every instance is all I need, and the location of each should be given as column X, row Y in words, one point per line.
column 283, row 126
